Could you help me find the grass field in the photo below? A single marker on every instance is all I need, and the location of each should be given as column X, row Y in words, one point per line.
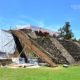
column 43, row 73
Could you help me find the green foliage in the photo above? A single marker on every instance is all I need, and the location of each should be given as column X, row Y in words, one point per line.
column 65, row 32
column 79, row 40
column 74, row 39
column 44, row 73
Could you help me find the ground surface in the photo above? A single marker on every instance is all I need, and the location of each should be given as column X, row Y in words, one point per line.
column 43, row 73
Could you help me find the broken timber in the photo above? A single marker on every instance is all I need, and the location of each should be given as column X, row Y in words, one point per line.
column 25, row 40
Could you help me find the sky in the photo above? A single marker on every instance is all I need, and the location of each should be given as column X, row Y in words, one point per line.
column 49, row 14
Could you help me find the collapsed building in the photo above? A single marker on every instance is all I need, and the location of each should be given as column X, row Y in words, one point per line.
column 24, row 44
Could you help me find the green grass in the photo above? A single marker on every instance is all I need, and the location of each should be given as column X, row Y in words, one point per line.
column 44, row 73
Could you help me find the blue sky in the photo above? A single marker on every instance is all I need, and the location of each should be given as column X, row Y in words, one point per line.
column 50, row 14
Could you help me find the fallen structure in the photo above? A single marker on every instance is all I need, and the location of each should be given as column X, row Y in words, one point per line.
column 21, row 45
column 25, row 40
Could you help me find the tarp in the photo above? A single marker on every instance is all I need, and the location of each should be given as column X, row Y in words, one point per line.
column 7, row 43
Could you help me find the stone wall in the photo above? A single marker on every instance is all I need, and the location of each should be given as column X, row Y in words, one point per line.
column 46, row 43
column 72, row 48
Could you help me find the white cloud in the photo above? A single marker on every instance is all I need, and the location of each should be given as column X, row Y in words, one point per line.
column 37, row 22
column 11, row 22
column 53, row 27
column 22, row 20
column 28, row 18
column 41, row 24
column 75, row 6
column 26, row 26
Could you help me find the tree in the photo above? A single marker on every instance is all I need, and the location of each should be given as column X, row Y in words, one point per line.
column 61, row 33
column 79, row 40
column 74, row 39
column 65, row 32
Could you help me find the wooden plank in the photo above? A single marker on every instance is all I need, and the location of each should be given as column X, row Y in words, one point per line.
column 25, row 40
